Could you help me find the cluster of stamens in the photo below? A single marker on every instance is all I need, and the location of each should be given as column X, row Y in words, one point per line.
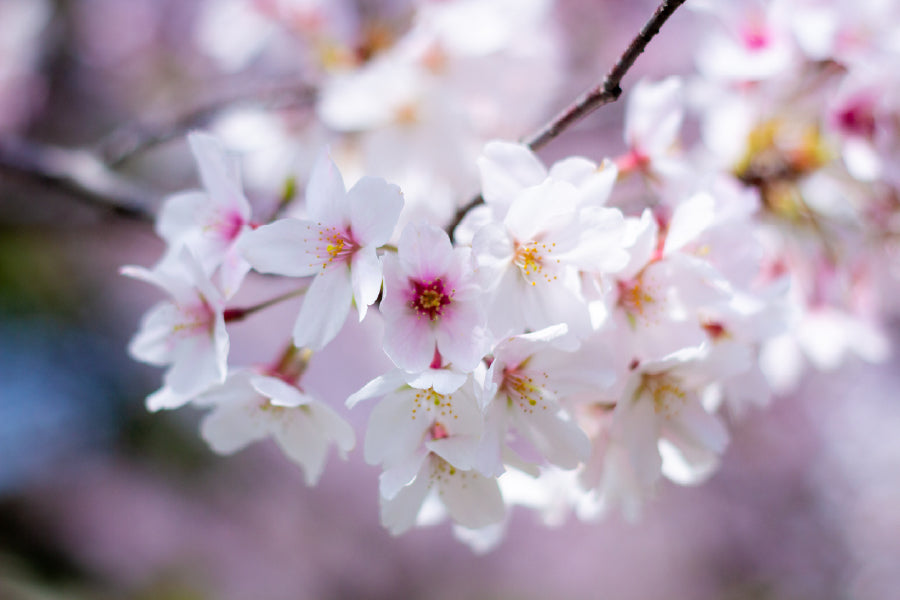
column 430, row 298
column 334, row 245
column 522, row 391
column 531, row 257
column 435, row 405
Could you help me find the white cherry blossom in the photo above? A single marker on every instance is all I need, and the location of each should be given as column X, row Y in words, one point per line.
column 337, row 245
column 186, row 332
column 251, row 406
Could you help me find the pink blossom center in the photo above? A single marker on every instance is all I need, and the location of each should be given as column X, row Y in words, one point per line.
column 335, row 246
column 429, row 299
column 756, row 37
column 857, row 118
column 229, row 225
column 196, row 318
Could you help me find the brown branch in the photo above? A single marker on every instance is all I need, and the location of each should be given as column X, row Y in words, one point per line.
column 606, row 92
column 76, row 172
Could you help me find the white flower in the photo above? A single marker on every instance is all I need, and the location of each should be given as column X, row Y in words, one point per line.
column 431, row 302
column 248, row 407
column 211, row 222
column 529, row 381
column 337, row 245
column 186, row 332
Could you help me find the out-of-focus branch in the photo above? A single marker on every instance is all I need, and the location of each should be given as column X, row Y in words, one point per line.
column 76, row 172
column 127, row 142
column 606, row 92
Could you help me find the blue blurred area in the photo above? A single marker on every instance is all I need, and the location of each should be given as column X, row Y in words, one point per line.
column 57, row 398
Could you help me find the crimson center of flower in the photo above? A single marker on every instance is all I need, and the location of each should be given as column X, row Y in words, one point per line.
column 429, row 299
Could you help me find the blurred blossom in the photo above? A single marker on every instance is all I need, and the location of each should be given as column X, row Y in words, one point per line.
column 676, row 321
column 22, row 89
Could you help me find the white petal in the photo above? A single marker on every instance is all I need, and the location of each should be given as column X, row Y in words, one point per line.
column 324, row 309
column 472, row 499
column 424, row 250
column 374, row 206
column 281, row 248
column 180, row 214
column 325, row 193
column 227, row 429
column 409, row 342
column 399, row 513
column 381, row 385
column 279, row 392
column 365, row 275
column 507, row 169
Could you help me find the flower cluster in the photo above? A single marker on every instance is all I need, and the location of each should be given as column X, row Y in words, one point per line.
column 581, row 334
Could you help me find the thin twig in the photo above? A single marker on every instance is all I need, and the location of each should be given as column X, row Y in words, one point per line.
column 77, row 172
column 606, row 92
column 129, row 141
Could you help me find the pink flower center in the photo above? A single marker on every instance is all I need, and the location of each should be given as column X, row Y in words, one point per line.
column 429, row 299
column 756, row 37
column 857, row 118
column 335, row 245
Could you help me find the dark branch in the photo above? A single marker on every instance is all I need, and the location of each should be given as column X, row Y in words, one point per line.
column 131, row 140
column 76, row 172
column 606, row 92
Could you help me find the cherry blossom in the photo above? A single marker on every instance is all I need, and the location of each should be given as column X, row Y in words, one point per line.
column 186, row 332
column 432, row 302
column 337, row 245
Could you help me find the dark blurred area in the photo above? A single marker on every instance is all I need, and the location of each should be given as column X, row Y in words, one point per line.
column 100, row 499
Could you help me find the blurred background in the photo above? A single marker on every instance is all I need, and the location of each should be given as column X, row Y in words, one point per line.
column 100, row 499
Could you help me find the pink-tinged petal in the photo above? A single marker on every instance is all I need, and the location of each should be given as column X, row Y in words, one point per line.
column 324, row 309
column 460, row 336
column 232, row 271
column 638, row 426
column 325, row 194
column 374, row 206
column 640, row 239
column 425, row 251
column 558, row 440
column 282, row 248
column 153, row 342
column 507, row 169
column 694, row 426
column 394, row 303
column 220, row 173
column 409, row 343
column 180, row 214
column 229, row 428
column 399, row 513
column 365, row 276
column 654, row 115
column 278, row 392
